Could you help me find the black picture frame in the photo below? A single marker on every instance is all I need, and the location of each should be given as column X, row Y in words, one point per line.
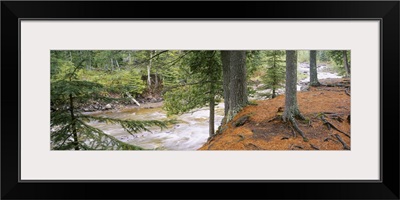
column 386, row 11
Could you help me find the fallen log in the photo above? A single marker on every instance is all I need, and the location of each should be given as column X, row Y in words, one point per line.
column 132, row 99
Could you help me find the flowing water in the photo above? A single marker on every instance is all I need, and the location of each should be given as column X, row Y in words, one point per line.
column 190, row 133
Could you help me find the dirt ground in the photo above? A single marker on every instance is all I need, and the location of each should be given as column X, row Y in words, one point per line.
column 327, row 124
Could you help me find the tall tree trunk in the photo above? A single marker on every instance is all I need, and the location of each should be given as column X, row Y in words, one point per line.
column 273, row 92
column 112, row 65
column 148, row 71
column 313, row 68
column 156, row 80
column 274, row 81
column 212, row 107
column 225, row 57
column 291, row 107
column 237, row 86
column 346, row 63
column 116, row 62
column 73, row 125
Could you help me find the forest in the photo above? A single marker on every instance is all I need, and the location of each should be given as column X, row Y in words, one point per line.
column 200, row 99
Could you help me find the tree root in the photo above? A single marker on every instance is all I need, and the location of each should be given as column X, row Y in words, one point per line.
column 327, row 139
column 254, row 146
column 241, row 137
column 314, row 147
column 347, row 91
column 330, row 125
column 345, row 146
column 296, row 127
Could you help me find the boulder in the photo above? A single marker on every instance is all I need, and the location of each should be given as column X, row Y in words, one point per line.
column 108, row 106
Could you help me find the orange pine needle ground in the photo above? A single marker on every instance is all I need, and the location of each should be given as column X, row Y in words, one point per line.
column 260, row 132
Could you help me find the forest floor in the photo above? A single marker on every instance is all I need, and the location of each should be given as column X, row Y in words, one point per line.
column 259, row 126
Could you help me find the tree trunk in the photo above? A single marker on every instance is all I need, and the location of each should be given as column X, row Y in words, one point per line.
column 212, row 107
column 346, row 63
column 236, row 86
column 225, row 57
column 156, row 79
column 112, row 65
column 291, row 107
column 273, row 92
column 274, row 82
column 116, row 62
column 148, row 70
column 74, row 132
column 313, row 68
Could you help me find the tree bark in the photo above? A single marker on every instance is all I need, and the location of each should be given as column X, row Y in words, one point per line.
column 346, row 63
column 235, row 86
column 225, row 57
column 313, row 68
column 291, row 107
column 148, row 70
column 212, row 107
column 112, row 65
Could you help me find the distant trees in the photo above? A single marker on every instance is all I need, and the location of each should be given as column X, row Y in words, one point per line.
column 291, row 110
column 313, row 68
column 234, row 82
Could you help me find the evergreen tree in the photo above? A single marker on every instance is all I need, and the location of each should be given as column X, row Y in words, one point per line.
column 69, row 128
column 201, row 86
column 341, row 58
column 275, row 76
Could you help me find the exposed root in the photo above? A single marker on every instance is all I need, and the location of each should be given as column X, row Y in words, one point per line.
column 345, row 146
column 241, row 137
column 314, row 147
column 327, row 139
column 293, row 147
column 296, row 127
column 347, row 91
column 330, row 125
column 254, row 146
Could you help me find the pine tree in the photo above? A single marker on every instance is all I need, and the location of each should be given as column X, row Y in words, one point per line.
column 202, row 85
column 275, row 76
column 69, row 127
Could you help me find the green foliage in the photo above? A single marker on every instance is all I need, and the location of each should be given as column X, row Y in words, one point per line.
column 275, row 76
column 69, row 87
column 337, row 57
column 322, row 56
column 254, row 61
column 116, row 81
column 200, row 82
column 303, row 56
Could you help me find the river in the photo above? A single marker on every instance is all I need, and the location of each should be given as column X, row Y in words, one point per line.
column 190, row 133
